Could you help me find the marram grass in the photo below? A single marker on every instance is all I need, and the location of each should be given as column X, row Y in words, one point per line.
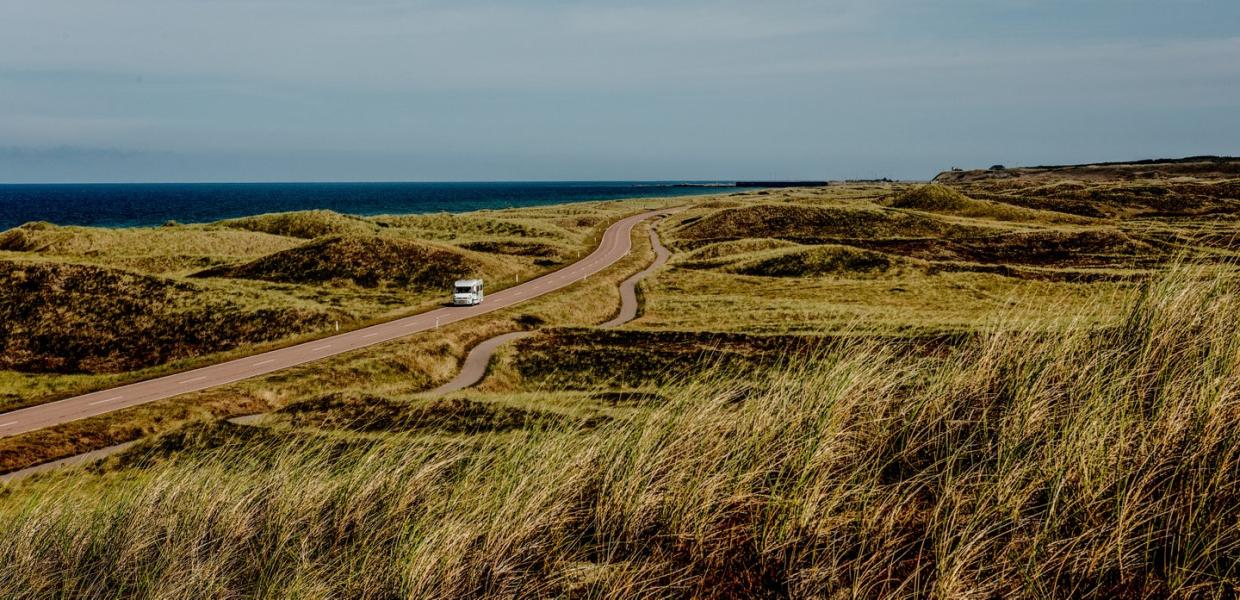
column 1060, row 463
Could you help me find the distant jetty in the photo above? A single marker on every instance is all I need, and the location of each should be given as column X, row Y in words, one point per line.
column 781, row 184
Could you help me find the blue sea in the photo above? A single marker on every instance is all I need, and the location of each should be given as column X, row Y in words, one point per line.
column 147, row 204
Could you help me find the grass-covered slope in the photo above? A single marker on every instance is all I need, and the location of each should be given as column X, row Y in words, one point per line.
column 850, row 391
column 730, row 249
column 306, row 224
column 157, row 250
column 903, row 260
column 300, row 263
column 802, row 261
column 519, row 247
column 1065, row 463
column 933, row 197
column 367, row 261
column 1194, row 167
column 828, row 259
column 371, row 413
column 1051, row 247
column 483, row 225
column 939, row 198
column 805, row 222
column 1114, row 199
column 67, row 318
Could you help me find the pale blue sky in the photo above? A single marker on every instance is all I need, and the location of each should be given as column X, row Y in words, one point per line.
column 232, row 90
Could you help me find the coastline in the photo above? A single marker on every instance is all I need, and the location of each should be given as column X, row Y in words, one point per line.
column 133, row 205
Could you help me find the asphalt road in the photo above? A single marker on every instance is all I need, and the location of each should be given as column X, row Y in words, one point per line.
column 472, row 370
column 628, row 288
column 69, row 461
column 475, row 366
column 615, row 245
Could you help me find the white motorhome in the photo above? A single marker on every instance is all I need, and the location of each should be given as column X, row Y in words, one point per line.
column 467, row 292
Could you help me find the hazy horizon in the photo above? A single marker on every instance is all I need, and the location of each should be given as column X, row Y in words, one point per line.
column 279, row 91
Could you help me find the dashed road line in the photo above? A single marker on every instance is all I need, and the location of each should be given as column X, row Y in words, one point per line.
column 320, row 348
column 9, row 424
column 265, row 362
column 112, row 399
column 192, row 380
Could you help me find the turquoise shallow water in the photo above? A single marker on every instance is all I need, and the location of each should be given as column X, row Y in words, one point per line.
column 129, row 205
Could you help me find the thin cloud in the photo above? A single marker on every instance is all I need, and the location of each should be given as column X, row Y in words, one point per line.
column 559, row 89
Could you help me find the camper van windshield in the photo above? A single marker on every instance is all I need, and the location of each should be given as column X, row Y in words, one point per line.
column 464, row 289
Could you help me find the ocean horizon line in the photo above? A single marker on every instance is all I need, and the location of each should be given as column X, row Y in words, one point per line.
column 157, row 203
column 718, row 182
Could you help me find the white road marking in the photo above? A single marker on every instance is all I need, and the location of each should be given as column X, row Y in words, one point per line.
column 369, row 335
column 112, row 399
column 193, row 379
column 320, row 348
column 265, row 362
column 9, row 424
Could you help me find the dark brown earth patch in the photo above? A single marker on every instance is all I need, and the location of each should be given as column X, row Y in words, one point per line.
column 1085, row 248
column 68, row 318
column 365, row 261
column 587, row 359
column 447, row 415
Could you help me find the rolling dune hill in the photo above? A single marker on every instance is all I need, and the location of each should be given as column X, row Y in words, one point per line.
column 367, row 261
column 153, row 296
column 972, row 388
column 66, row 318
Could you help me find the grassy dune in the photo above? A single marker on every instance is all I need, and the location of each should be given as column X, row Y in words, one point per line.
column 899, row 259
column 68, row 318
column 409, row 365
column 1076, row 463
column 1109, row 199
column 175, row 250
column 369, row 262
column 990, row 386
column 816, row 261
column 939, row 198
column 803, row 222
column 307, row 224
column 96, row 306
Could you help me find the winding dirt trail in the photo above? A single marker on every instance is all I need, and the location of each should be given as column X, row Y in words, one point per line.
column 474, row 369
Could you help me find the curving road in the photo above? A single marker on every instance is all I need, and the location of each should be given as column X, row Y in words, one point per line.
column 615, row 244
column 475, row 366
column 628, row 288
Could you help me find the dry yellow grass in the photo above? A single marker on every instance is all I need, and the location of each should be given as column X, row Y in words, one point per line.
column 1021, row 407
column 1034, row 461
column 412, row 364
column 301, row 287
